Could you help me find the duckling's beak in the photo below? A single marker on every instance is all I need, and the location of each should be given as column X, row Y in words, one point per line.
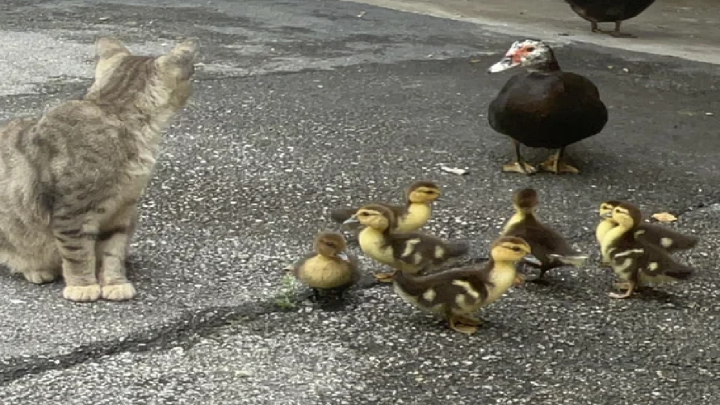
column 504, row 64
column 343, row 256
column 352, row 220
column 606, row 214
column 532, row 260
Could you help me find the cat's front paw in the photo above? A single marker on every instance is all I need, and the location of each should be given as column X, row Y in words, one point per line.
column 118, row 292
column 40, row 277
column 85, row 293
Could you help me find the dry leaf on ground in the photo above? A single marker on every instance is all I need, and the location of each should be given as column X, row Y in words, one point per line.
column 664, row 217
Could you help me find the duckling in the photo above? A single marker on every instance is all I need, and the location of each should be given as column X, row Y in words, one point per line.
column 329, row 267
column 633, row 260
column 664, row 238
column 457, row 294
column 616, row 11
column 607, row 223
column 551, row 249
column 414, row 252
column 544, row 107
column 413, row 215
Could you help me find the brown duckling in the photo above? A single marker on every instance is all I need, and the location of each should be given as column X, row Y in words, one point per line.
column 616, row 11
column 668, row 240
column 551, row 248
column 634, row 261
column 329, row 267
column 457, row 294
column 544, row 107
column 414, row 252
column 412, row 215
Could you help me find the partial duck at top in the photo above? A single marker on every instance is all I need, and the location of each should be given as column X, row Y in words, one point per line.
column 544, row 107
column 615, row 11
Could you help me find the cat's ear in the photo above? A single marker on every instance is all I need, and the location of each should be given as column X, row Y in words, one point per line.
column 107, row 47
column 180, row 60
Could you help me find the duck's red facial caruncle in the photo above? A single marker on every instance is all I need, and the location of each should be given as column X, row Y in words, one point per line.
column 521, row 53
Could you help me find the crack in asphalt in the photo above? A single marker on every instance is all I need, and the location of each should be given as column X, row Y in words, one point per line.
column 183, row 332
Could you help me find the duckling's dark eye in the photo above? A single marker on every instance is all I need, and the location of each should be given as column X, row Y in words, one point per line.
column 330, row 245
column 530, row 49
column 516, row 249
column 363, row 214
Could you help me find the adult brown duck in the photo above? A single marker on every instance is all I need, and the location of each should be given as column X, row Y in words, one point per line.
column 616, row 11
column 544, row 107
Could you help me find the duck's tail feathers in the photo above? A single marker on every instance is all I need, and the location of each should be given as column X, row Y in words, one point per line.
column 680, row 272
column 576, row 260
column 683, row 242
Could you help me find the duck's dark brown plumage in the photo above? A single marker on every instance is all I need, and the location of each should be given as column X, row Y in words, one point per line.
column 550, row 109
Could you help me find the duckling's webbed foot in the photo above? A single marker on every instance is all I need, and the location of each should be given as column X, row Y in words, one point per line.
column 629, row 288
column 385, row 277
column 468, row 320
column 554, row 164
column 519, row 165
column 519, row 280
column 457, row 324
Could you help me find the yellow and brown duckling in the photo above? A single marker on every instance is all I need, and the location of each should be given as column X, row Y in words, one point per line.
column 457, row 294
column 551, row 248
column 664, row 238
column 412, row 215
column 414, row 252
column 636, row 262
column 329, row 267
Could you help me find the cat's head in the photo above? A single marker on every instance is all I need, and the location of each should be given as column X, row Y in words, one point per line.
column 120, row 75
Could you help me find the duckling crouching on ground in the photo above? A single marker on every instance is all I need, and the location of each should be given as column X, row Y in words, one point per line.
column 457, row 294
column 413, row 252
column 329, row 268
column 634, row 261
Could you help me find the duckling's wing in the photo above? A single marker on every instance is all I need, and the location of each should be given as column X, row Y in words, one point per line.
column 544, row 241
column 444, row 287
column 667, row 239
column 650, row 261
column 660, row 265
column 421, row 249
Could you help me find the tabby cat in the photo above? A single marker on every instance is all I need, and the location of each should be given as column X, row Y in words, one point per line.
column 71, row 179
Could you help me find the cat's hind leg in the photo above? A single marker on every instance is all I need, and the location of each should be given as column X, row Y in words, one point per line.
column 112, row 249
column 75, row 240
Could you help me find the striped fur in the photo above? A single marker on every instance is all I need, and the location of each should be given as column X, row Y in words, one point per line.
column 71, row 179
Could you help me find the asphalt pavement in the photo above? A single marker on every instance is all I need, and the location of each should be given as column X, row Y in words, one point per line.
column 301, row 106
